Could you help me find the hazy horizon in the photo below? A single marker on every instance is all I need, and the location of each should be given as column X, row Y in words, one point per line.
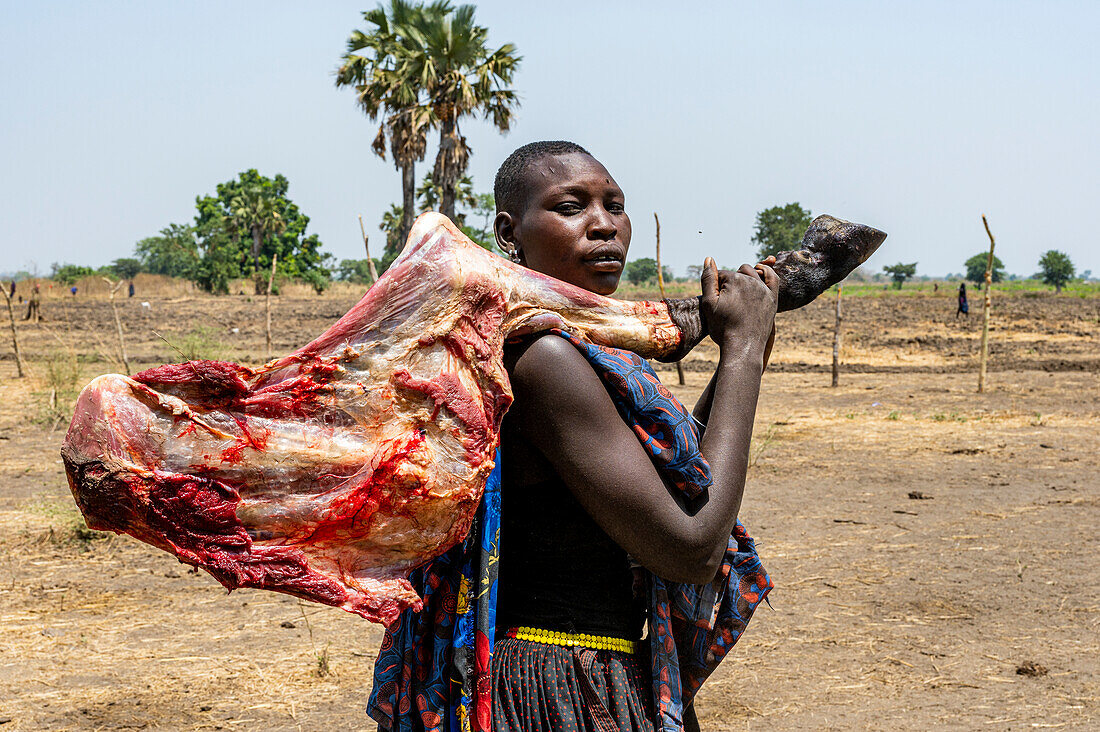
column 914, row 119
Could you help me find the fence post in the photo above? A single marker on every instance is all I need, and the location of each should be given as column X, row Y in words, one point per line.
column 987, row 304
column 661, row 284
column 112, row 288
column 836, row 339
column 366, row 245
column 267, row 303
column 14, row 335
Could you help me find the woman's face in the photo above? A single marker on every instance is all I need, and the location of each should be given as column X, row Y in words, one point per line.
column 574, row 226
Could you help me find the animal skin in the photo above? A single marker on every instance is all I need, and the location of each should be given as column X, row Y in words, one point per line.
column 332, row 472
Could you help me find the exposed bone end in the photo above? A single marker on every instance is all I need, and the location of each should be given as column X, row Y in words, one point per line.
column 831, row 249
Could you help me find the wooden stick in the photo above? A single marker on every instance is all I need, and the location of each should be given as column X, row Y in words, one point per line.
column 366, row 245
column 113, row 288
column 836, row 339
column 985, row 309
column 661, row 284
column 267, row 303
column 14, row 335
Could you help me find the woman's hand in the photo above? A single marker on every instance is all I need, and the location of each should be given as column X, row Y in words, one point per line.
column 740, row 306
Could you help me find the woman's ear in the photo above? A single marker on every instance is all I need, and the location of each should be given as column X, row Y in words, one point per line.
column 505, row 231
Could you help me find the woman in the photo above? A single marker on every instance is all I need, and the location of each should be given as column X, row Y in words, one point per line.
column 580, row 498
column 964, row 306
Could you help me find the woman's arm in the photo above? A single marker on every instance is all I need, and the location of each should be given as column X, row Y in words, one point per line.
column 701, row 412
column 564, row 409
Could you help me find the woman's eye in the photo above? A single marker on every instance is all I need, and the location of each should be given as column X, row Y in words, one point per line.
column 568, row 207
column 616, row 207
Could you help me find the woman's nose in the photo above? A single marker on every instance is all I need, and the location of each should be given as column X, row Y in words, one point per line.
column 602, row 225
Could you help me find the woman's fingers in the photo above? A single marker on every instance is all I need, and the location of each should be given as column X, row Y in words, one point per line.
column 747, row 269
column 771, row 279
column 708, row 279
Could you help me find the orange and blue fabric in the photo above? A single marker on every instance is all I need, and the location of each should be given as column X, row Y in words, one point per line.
column 433, row 669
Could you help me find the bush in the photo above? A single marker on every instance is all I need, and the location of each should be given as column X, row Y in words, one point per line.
column 317, row 279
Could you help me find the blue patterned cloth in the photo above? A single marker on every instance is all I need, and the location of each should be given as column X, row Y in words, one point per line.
column 433, row 670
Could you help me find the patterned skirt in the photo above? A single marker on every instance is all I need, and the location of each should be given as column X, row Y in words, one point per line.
column 538, row 687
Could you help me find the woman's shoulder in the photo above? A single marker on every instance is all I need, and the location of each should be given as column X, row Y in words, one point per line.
column 535, row 358
column 552, row 381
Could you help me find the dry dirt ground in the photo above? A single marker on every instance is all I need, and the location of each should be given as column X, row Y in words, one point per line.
column 934, row 551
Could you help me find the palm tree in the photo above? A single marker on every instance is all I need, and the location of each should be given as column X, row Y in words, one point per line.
column 444, row 50
column 373, row 65
column 254, row 210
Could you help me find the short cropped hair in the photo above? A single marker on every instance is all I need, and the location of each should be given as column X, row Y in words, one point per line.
column 510, row 187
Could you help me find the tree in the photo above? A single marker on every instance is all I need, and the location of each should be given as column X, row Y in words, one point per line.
column 174, row 252
column 391, row 227
column 318, row 279
column 780, row 229
column 1056, row 268
column 429, row 194
column 643, row 270
column 480, row 205
column 125, row 268
column 374, row 67
column 68, row 274
column 224, row 221
column 900, row 272
column 975, row 268
column 444, row 50
column 254, row 211
column 481, row 232
column 355, row 270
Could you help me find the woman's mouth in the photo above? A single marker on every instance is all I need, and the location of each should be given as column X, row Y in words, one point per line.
column 607, row 258
column 607, row 263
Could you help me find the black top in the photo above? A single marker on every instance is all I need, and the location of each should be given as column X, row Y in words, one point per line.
column 559, row 570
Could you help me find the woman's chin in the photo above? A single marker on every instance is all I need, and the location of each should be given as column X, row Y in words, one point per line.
column 604, row 284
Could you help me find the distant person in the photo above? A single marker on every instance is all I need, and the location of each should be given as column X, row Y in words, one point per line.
column 12, row 293
column 131, row 288
column 964, row 306
column 73, row 290
column 34, row 310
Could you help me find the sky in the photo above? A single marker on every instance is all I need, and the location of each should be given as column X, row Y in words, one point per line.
column 913, row 117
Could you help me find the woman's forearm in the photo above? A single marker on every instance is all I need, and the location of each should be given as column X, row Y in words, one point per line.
column 728, row 406
column 701, row 412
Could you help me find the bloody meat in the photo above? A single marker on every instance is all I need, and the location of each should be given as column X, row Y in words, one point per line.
column 330, row 473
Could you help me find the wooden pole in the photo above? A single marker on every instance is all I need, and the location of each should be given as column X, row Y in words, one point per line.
column 112, row 289
column 14, row 335
column 366, row 245
column 661, row 284
column 987, row 303
column 267, row 302
column 836, row 339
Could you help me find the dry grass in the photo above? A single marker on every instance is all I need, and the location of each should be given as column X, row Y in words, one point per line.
column 889, row 612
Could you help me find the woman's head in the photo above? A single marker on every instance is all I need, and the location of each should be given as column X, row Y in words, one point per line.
column 561, row 213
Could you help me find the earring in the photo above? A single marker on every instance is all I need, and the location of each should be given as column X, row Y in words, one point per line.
column 514, row 255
